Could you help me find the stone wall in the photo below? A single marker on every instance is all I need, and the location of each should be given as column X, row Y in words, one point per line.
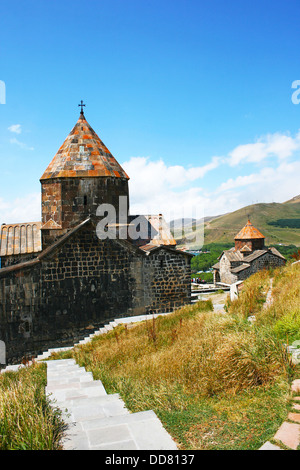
column 225, row 274
column 253, row 244
column 51, row 201
column 82, row 283
column 267, row 261
column 169, row 281
column 69, row 201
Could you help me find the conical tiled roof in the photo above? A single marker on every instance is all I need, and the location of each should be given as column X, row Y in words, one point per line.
column 249, row 232
column 83, row 154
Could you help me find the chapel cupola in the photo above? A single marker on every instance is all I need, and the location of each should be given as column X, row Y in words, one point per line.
column 249, row 239
column 82, row 175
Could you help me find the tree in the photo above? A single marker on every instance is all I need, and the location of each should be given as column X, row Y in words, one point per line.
column 296, row 255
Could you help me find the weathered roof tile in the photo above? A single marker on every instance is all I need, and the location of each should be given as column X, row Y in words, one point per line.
column 249, row 232
column 83, row 154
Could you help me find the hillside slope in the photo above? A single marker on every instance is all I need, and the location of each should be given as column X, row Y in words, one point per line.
column 275, row 220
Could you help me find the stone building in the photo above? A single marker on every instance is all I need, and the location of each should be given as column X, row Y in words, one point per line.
column 60, row 279
column 248, row 256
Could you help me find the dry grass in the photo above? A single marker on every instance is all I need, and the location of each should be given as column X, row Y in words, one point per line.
column 27, row 422
column 283, row 315
column 193, row 350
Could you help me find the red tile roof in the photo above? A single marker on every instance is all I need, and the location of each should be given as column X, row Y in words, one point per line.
column 249, row 232
column 83, row 154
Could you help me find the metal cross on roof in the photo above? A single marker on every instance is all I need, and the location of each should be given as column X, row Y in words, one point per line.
column 82, row 105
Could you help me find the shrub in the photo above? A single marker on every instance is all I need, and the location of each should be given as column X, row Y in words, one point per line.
column 288, row 327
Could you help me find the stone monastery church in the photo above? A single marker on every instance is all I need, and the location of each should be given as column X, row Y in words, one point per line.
column 59, row 279
column 247, row 257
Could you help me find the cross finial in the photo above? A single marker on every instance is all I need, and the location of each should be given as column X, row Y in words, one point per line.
column 81, row 105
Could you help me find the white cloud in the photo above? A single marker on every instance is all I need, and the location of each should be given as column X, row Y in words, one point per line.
column 157, row 188
column 268, row 185
column 25, row 209
column 276, row 145
column 15, row 128
column 21, row 144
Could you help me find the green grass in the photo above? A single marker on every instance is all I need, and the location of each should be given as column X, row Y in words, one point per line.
column 216, row 381
column 27, row 421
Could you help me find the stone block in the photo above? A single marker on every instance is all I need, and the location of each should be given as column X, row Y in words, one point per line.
column 289, row 435
column 296, row 386
column 294, row 417
column 269, row 446
column 109, row 435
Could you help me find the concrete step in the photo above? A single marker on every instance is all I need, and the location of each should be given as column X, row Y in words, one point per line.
column 67, row 373
column 82, row 379
column 58, row 362
column 74, row 392
column 92, row 409
column 61, row 367
column 97, row 421
column 137, row 431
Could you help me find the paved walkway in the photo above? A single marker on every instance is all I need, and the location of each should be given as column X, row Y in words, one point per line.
column 288, row 435
column 269, row 298
column 97, row 421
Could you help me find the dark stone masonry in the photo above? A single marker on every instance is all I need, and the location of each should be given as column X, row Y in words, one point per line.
column 60, row 281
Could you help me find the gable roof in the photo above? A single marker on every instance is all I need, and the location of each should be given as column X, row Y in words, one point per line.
column 83, row 154
column 276, row 253
column 232, row 255
column 19, row 239
column 249, row 232
column 240, row 268
column 256, row 254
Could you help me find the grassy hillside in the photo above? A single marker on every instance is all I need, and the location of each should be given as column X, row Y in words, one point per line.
column 216, row 381
column 278, row 222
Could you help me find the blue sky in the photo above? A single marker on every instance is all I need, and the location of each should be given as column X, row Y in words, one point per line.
column 192, row 97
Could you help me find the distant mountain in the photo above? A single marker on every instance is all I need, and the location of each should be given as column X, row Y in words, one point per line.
column 279, row 223
column 295, row 199
column 188, row 222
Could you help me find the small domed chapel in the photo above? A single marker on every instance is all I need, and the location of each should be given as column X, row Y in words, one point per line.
column 248, row 256
column 59, row 279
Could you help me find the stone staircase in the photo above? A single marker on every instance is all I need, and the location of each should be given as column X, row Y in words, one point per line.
column 97, row 421
column 105, row 329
